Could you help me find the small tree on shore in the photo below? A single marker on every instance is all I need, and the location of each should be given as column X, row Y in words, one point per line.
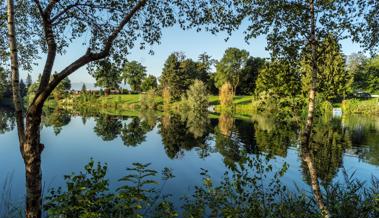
column 226, row 95
column 197, row 96
column 166, row 96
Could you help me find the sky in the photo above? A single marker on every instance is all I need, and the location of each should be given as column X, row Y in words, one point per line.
column 190, row 42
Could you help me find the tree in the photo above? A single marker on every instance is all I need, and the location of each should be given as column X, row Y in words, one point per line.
column 280, row 78
column 133, row 73
column 49, row 27
column 204, row 65
column 249, row 75
column 29, row 81
column 197, row 97
column 372, row 74
column 335, row 82
column 169, row 78
column 107, row 75
column 291, row 26
column 230, row 67
column 355, row 65
column 107, row 127
column 23, row 89
column 84, row 88
column 178, row 74
column 3, row 82
column 149, row 83
column 61, row 90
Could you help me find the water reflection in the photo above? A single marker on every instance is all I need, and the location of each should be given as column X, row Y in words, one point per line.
column 56, row 118
column 177, row 138
column 107, row 127
column 236, row 140
column 7, row 120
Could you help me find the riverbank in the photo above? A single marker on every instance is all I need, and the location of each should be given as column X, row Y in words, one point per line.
column 242, row 104
column 358, row 106
column 132, row 101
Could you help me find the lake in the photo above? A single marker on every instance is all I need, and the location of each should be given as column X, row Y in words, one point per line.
column 188, row 144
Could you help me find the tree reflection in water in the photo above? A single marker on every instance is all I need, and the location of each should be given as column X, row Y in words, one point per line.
column 56, row 118
column 177, row 138
column 7, row 120
column 247, row 190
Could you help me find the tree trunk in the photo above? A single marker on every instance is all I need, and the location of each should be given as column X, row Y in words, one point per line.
column 17, row 100
column 32, row 150
column 312, row 92
column 306, row 156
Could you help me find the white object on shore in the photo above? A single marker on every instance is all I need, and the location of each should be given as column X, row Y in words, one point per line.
column 337, row 112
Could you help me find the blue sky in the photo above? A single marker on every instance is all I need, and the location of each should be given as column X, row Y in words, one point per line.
column 190, row 42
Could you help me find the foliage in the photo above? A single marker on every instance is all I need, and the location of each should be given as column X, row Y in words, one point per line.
column 166, row 96
column 178, row 74
column 61, row 90
column 56, row 118
column 147, row 100
column 281, row 78
column 361, row 106
column 134, row 73
column 107, row 75
column 133, row 133
column 249, row 75
column 226, row 95
column 29, row 81
column 334, row 82
column 149, row 83
column 372, row 73
column 176, row 137
column 197, row 97
column 230, row 68
column 88, row 194
column 3, row 82
column 107, row 127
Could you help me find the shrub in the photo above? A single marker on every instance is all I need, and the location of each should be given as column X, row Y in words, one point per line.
column 147, row 100
column 166, row 96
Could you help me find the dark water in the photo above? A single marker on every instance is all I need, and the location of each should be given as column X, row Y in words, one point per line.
column 186, row 144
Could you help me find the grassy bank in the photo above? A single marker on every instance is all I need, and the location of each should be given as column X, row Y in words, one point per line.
column 357, row 106
column 242, row 104
column 132, row 101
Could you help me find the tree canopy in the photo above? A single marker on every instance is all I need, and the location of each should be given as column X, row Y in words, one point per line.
column 148, row 83
column 107, row 75
column 230, row 67
column 133, row 73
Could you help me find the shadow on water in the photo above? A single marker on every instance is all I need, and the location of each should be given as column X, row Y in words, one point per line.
column 251, row 186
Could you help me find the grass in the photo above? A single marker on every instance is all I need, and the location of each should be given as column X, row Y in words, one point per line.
column 242, row 104
column 358, row 106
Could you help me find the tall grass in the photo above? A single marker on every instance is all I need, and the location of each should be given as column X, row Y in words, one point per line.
column 357, row 106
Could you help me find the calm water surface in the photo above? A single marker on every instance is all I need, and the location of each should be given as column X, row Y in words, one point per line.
column 186, row 145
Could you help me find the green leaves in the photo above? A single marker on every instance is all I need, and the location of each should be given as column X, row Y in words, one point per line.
column 88, row 194
column 133, row 73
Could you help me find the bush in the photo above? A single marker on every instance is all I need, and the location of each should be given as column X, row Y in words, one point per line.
column 147, row 100
column 166, row 96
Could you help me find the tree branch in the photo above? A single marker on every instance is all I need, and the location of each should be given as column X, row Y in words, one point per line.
column 86, row 58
